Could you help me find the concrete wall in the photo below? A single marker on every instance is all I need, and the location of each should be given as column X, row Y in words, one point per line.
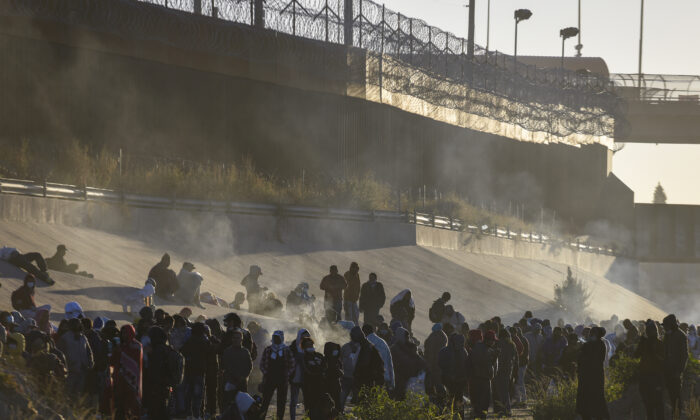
column 232, row 233
column 666, row 232
column 488, row 245
column 284, row 102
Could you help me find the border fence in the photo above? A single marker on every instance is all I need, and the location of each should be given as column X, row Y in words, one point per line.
column 404, row 55
column 72, row 192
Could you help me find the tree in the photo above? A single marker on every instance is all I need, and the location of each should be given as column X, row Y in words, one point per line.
column 572, row 297
column 659, row 194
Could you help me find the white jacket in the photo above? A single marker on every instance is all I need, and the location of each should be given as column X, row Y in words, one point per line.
column 385, row 353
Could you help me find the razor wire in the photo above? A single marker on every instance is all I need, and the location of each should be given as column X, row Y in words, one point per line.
column 404, row 55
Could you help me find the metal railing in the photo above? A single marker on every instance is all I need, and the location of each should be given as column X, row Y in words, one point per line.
column 658, row 87
column 72, row 192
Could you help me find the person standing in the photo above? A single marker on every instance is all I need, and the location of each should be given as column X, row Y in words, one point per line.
column 237, row 365
column 507, row 363
column 333, row 371
column 277, row 367
column 372, row 299
column 297, row 380
column 403, row 309
column 590, row 397
column 650, row 350
column 352, row 294
column 253, row 289
column 127, row 361
column 485, row 364
column 196, row 352
column 407, row 362
column 369, row 367
column 313, row 388
column 157, row 388
column 384, row 352
column 675, row 362
column 79, row 359
column 436, row 341
column 523, row 361
column 333, row 285
column 454, row 372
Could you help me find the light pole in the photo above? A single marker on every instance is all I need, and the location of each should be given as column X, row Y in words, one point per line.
column 641, row 39
column 520, row 15
column 565, row 34
column 579, row 47
column 488, row 24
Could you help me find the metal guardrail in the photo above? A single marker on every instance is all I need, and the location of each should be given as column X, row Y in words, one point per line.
column 72, row 192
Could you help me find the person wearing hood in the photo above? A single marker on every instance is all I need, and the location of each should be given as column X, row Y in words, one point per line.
column 369, row 367
column 23, row 298
column 333, row 371
column 297, row 380
column 156, row 387
column 384, row 352
column 484, row 357
column 434, row 344
column 437, row 309
column 536, row 340
column 127, row 360
column 277, row 366
column 233, row 322
column 507, row 364
column 403, row 309
column 372, row 299
column 350, row 352
column 333, row 285
column 189, row 283
column 237, row 365
column 650, row 351
column 590, row 397
column 79, row 358
column 313, row 364
column 407, row 362
column 26, row 262
column 252, row 288
column 196, row 352
column 452, row 317
column 675, row 361
column 73, row 310
column 352, row 294
column 165, row 278
column 552, row 350
column 454, row 372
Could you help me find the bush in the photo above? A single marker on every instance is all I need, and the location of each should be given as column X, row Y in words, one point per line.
column 376, row 405
column 572, row 297
column 553, row 399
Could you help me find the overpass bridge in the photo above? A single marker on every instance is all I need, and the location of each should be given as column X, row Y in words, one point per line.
column 659, row 108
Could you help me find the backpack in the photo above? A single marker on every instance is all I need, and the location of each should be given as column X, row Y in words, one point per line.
column 176, row 367
column 437, row 311
column 17, row 303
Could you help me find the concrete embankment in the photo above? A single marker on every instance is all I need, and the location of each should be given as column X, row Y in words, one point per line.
column 119, row 244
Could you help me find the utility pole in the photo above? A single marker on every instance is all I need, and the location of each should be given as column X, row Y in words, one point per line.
column 579, row 47
column 641, row 43
column 488, row 24
column 470, row 37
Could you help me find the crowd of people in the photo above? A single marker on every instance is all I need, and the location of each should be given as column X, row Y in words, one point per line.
column 163, row 366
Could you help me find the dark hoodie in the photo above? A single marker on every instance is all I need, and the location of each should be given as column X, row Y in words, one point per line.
column 158, row 374
column 23, row 298
column 675, row 348
column 333, row 370
column 651, row 351
column 454, row 363
column 407, row 362
column 369, row 369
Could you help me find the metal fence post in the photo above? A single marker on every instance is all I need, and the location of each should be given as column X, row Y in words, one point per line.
column 349, row 17
column 259, row 14
column 197, row 7
column 360, row 19
column 294, row 17
column 381, row 57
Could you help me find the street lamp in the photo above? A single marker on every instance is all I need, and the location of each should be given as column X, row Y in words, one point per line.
column 520, row 15
column 565, row 34
column 579, row 47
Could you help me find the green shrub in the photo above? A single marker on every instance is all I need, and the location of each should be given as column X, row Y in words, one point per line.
column 553, row 399
column 376, row 405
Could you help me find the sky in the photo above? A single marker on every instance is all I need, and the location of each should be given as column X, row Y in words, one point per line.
column 609, row 29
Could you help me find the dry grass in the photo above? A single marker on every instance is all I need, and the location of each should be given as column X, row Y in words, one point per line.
column 73, row 163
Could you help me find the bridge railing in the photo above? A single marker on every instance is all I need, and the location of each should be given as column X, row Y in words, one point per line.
column 72, row 192
column 658, row 87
